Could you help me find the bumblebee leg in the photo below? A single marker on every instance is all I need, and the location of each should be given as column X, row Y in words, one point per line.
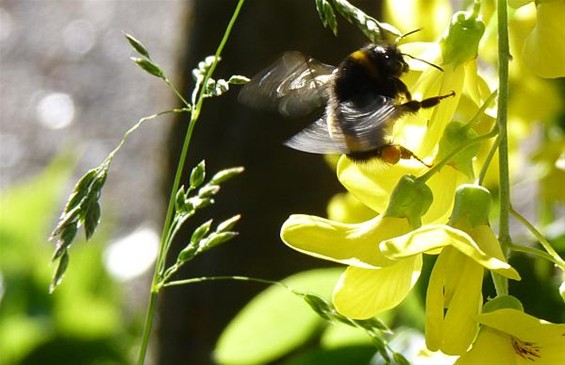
column 413, row 106
column 406, row 154
column 392, row 153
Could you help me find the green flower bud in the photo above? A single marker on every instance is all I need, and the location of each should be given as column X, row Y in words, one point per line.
column 457, row 134
column 410, row 199
column 472, row 206
column 461, row 42
column 197, row 175
column 503, row 302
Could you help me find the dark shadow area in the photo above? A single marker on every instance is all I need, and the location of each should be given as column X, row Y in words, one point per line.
column 277, row 181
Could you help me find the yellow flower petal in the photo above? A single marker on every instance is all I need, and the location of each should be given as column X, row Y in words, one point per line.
column 490, row 347
column 350, row 244
column 431, row 237
column 436, row 19
column 443, row 185
column 450, row 80
column 346, row 208
column 544, row 50
column 455, row 284
column 362, row 293
column 373, row 182
column 518, row 3
column 487, row 241
column 510, row 336
column 525, row 327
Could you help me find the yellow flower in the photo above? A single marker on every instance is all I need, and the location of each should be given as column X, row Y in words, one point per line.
column 433, row 23
column 454, row 295
column 346, row 208
column 372, row 182
column 379, row 275
column 544, row 47
column 510, row 336
column 372, row 283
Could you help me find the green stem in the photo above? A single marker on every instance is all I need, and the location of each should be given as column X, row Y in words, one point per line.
column 437, row 167
column 177, row 93
column 217, row 278
column 161, row 257
column 488, row 160
column 135, row 127
column 553, row 255
column 539, row 253
column 502, row 122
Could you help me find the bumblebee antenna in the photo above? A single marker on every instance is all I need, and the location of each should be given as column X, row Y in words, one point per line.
column 412, row 57
column 424, row 61
column 407, row 34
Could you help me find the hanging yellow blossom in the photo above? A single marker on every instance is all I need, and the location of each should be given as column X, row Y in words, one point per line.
column 454, row 295
column 510, row 336
column 372, row 282
column 544, row 47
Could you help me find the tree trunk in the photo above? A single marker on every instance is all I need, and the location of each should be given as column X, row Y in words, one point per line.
column 277, row 181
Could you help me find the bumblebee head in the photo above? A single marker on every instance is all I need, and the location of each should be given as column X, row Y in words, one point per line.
column 388, row 59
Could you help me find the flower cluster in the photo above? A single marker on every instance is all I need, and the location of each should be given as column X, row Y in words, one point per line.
column 441, row 212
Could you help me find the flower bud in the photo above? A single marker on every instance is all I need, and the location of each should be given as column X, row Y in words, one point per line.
column 410, row 199
column 461, row 42
column 503, row 302
column 471, row 207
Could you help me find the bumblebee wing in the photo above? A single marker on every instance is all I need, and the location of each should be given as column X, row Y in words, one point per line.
column 294, row 85
column 316, row 139
column 363, row 129
column 350, row 130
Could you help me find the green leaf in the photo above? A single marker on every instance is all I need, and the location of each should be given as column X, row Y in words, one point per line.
column 340, row 335
column 349, row 355
column 137, row 45
column 197, row 175
column 149, row 66
column 327, row 15
column 275, row 322
column 373, row 29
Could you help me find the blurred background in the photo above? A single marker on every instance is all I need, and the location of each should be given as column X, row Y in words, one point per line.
column 68, row 92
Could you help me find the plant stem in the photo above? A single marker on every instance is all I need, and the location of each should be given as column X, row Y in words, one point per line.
column 502, row 122
column 437, row 167
column 488, row 159
column 217, row 278
column 553, row 255
column 161, row 257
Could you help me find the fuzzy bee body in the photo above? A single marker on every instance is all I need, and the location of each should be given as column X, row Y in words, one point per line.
column 363, row 97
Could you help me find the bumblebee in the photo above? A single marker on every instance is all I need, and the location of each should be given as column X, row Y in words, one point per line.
column 363, row 97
